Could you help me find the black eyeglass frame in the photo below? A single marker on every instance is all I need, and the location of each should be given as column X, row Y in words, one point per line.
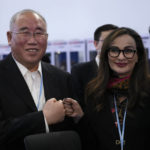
column 122, row 51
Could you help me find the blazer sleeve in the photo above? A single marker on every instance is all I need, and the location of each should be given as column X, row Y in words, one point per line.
column 16, row 128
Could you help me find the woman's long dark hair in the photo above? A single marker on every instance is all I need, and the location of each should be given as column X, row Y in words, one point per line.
column 139, row 80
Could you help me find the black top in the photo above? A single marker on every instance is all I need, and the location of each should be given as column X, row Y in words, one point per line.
column 98, row 130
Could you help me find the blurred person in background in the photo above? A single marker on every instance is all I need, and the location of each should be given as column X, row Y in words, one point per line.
column 84, row 72
column 46, row 58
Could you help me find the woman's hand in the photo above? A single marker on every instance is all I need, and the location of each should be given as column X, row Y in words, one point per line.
column 72, row 108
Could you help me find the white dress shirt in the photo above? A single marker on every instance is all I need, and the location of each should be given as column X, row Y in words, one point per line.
column 34, row 81
column 97, row 59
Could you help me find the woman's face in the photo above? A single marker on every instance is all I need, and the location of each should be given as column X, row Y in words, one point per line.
column 121, row 65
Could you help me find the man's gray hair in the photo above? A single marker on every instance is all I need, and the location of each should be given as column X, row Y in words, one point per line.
column 14, row 17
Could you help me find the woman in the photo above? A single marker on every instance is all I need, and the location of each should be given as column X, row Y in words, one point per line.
column 118, row 99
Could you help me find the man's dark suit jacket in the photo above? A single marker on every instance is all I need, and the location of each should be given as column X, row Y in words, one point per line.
column 81, row 74
column 18, row 114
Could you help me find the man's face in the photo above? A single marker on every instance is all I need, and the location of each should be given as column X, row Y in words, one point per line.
column 28, row 49
column 99, row 44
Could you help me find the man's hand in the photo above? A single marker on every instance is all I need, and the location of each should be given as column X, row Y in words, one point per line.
column 54, row 111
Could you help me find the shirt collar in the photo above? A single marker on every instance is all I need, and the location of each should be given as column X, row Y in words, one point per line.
column 97, row 59
column 24, row 70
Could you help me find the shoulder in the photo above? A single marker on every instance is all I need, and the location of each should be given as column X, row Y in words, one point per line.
column 83, row 66
column 145, row 89
column 50, row 69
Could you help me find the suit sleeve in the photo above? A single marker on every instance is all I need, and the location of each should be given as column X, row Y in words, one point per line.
column 14, row 129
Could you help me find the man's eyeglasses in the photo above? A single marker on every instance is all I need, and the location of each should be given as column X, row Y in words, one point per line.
column 36, row 35
column 127, row 52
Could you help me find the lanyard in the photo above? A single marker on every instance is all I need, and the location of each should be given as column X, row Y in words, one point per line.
column 40, row 93
column 121, row 133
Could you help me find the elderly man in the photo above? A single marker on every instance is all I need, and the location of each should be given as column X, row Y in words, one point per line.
column 31, row 90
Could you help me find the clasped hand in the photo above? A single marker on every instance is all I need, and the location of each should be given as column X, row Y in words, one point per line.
column 55, row 110
column 72, row 108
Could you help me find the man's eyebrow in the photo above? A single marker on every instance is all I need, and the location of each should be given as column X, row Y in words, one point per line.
column 39, row 28
column 23, row 28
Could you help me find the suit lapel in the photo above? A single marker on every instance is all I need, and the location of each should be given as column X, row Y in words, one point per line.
column 52, row 87
column 48, row 82
column 17, row 83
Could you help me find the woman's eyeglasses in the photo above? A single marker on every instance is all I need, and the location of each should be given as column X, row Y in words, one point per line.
column 127, row 52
